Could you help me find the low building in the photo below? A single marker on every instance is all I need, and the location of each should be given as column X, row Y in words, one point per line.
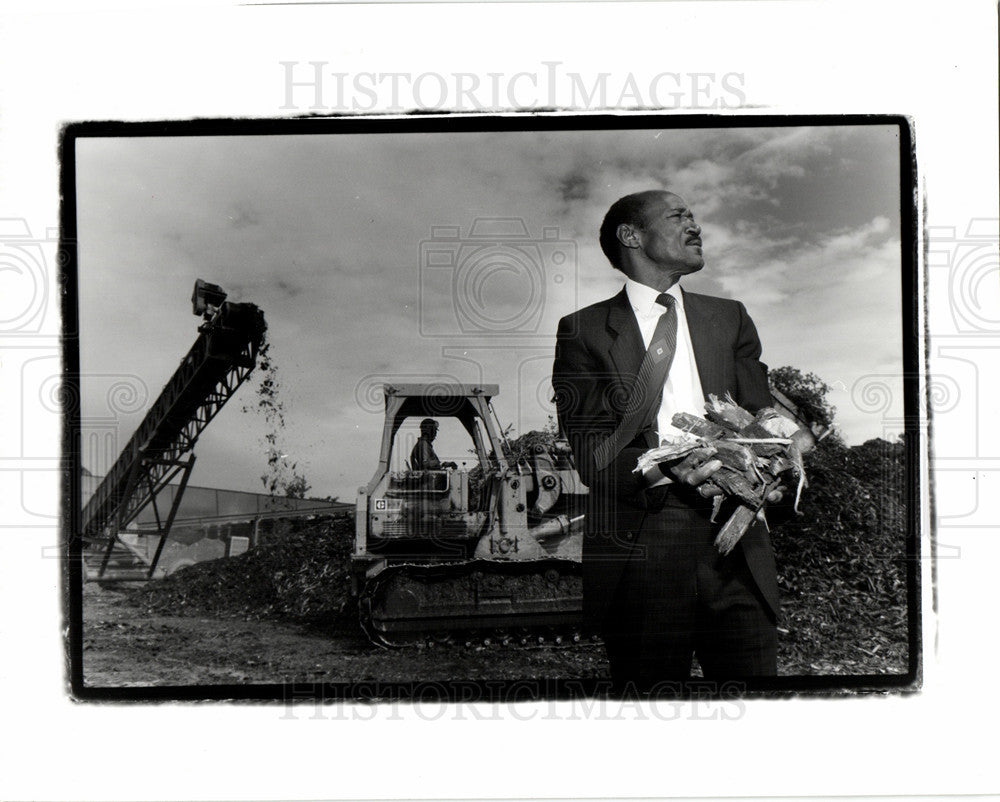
column 210, row 523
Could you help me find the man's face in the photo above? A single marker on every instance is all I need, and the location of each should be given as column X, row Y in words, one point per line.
column 430, row 432
column 669, row 236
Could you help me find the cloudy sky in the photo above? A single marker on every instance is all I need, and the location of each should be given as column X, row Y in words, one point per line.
column 362, row 251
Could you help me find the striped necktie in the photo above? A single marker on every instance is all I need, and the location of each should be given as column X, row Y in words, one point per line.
column 647, row 391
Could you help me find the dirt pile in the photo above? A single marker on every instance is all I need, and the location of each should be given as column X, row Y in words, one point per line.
column 842, row 564
column 299, row 569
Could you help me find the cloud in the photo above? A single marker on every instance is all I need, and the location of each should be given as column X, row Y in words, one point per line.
column 831, row 306
column 575, row 187
column 243, row 215
column 329, row 236
column 754, row 264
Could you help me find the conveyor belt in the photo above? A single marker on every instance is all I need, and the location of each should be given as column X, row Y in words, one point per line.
column 217, row 364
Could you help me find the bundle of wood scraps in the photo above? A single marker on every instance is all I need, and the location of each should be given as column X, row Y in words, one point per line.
column 759, row 453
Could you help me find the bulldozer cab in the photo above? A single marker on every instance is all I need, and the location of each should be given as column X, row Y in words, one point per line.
column 453, row 481
column 448, row 507
column 465, row 403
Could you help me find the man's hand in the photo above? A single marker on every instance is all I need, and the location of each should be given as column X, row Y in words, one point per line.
column 776, row 495
column 773, row 497
column 694, row 471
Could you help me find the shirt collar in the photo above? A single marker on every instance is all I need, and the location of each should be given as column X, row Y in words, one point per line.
column 643, row 298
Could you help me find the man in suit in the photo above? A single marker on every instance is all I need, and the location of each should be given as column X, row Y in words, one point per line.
column 653, row 581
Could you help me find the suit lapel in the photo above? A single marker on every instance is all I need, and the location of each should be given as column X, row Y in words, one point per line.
column 627, row 349
column 701, row 327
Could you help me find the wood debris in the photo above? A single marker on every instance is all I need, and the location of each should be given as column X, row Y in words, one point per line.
column 300, row 569
column 758, row 454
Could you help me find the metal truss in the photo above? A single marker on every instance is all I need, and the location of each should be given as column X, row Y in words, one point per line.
column 162, row 446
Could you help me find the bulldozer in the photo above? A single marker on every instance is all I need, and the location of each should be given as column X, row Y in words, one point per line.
column 451, row 553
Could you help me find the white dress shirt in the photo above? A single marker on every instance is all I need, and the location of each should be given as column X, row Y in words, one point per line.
column 682, row 389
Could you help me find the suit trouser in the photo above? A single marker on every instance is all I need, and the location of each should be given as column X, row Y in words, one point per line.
column 679, row 596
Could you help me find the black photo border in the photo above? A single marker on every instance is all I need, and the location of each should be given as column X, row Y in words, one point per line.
column 555, row 689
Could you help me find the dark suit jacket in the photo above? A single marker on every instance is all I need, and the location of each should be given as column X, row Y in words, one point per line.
column 598, row 353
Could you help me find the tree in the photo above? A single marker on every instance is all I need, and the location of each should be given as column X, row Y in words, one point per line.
column 523, row 447
column 297, row 487
column 806, row 390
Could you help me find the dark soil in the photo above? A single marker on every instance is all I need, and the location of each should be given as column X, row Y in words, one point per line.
column 297, row 571
column 842, row 564
column 282, row 613
column 126, row 644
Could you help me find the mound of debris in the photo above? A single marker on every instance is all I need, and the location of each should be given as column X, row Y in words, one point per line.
column 842, row 563
column 299, row 569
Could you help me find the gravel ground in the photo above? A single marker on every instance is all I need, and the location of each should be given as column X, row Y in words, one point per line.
column 281, row 613
column 126, row 645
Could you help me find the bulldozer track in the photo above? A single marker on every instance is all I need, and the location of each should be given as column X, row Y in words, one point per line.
column 479, row 602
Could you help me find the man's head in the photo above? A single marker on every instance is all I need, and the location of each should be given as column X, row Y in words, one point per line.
column 652, row 237
column 428, row 428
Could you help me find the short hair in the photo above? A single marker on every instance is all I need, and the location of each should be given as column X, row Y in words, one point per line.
column 629, row 209
column 428, row 423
